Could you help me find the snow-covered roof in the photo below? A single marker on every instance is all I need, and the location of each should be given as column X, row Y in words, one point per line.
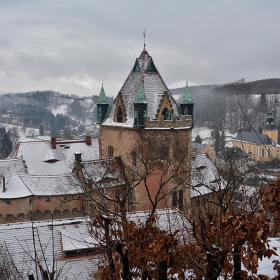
column 10, row 167
column 106, row 172
column 166, row 219
column 24, row 185
column 51, row 184
column 17, row 241
column 204, row 175
column 14, row 188
column 41, row 159
column 145, row 72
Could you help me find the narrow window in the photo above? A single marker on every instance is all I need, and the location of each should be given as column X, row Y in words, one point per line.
column 181, row 200
column 262, row 152
column 119, row 115
column 174, row 199
column 134, row 155
column 110, row 151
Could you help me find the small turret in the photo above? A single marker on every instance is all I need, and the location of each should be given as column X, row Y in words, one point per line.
column 102, row 106
column 140, row 107
column 187, row 104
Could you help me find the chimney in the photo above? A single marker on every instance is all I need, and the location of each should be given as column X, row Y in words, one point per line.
column 4, row 184
column 78, row 157
column 53, row 142
column 88, row 140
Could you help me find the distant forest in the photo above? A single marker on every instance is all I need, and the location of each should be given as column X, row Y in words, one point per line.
column 236, row 106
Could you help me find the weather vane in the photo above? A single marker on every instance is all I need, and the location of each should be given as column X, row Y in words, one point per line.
column 144, row 34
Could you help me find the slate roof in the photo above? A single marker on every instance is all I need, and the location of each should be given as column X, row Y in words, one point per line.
column 251, row 137
column 232, row 153
column 197, row 147
column 146, row 73
column 41, row 159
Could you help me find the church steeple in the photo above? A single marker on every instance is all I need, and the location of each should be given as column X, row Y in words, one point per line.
column 270, row 130
column 102, row 106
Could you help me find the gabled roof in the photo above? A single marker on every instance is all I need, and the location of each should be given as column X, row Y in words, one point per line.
column 197, row 147
column 144, row 71
column 205, row 176
column 252, row 137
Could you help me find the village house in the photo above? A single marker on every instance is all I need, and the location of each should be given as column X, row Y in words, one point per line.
column 38, row 183
column 260, row 147
column 198, row 148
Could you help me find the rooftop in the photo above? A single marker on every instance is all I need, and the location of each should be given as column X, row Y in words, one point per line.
column 41, row 159
column 146, row 84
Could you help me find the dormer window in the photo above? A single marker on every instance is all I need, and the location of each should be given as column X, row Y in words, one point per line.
column 167, row 114
column 120, row 115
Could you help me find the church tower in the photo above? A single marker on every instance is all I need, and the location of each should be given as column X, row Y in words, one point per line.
column 145, row 119
column 270, row 129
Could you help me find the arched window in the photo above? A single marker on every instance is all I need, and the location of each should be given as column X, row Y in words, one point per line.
column 167, row 114
column 119, row 115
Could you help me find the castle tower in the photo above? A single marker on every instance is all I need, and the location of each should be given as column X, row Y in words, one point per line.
column 270, row 129
column 144, row 118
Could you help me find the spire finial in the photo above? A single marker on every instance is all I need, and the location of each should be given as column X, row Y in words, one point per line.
column 144, row 34
column 102, row 81
column 187, row 80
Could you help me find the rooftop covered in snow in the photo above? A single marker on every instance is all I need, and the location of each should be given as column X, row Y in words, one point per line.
column 54, row 158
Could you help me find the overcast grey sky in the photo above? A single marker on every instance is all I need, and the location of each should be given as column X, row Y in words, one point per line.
column 70, row 45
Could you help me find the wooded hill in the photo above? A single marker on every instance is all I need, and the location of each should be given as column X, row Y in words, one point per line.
column 230, row 105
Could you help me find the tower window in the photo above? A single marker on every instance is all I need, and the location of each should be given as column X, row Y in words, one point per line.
column 110, row 151
column 167, row 114
column 174, row 199
column 134, row 156
column 181, row 200
column 120, row 115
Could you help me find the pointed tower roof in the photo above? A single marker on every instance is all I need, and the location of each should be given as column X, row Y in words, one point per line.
column 141, row 97
column 144, row 74
column 187, row 98
column 102, row 99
